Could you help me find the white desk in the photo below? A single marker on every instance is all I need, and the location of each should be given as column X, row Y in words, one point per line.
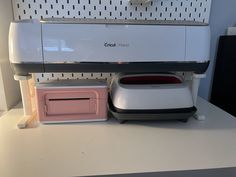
column 113, row 148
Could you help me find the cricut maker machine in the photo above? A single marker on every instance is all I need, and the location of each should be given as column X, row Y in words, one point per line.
column 70, row 45
column 119, row 46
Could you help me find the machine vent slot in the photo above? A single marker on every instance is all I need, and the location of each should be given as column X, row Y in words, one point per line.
column 68, row 99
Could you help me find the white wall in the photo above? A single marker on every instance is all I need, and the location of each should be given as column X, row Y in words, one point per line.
column 223, row 15
column 5, row 17
column 9, row 89
column 2, row 94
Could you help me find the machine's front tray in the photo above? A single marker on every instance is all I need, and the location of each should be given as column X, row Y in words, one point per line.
column 169, row 114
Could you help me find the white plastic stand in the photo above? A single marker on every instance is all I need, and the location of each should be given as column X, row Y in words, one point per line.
column 195, row 86
column 26, row 101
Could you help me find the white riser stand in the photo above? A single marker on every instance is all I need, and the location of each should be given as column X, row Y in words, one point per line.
column 196, row 78
column 26, row 101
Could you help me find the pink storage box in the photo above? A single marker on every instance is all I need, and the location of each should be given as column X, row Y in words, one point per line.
column 72, row 101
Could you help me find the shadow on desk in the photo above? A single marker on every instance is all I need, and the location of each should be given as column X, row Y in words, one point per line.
column 229, row 172
column 216, row 119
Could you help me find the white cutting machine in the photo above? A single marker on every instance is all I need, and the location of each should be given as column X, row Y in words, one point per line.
column 69, row 45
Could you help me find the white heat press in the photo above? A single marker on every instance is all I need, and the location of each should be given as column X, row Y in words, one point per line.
column 150, row 96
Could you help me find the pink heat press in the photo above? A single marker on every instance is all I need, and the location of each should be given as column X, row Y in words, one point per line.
column 72, row 101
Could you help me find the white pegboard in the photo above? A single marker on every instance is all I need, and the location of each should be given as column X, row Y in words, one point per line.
column 191, row 10
column 40, row 77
